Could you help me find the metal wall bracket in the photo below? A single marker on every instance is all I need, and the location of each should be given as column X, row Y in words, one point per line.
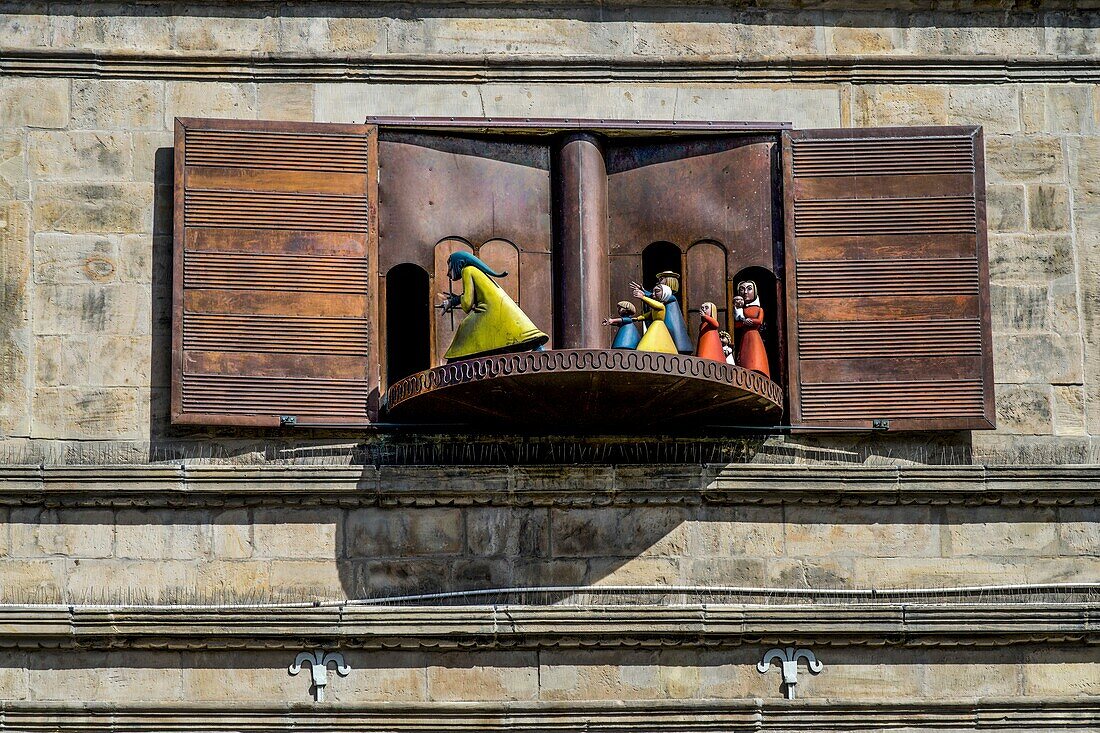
column 319, row 660
column 288, row 421
column 880, row 424
column 789, row 658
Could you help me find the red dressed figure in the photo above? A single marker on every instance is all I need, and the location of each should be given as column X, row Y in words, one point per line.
column 710, row 345
column 748, row 320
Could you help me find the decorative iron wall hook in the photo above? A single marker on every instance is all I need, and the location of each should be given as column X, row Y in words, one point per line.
column 319, row 660
column 789, row 658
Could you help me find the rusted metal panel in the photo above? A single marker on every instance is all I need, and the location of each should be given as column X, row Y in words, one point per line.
column 439, row 193
column 273, row 304
column 888, row 314
column 716, row 190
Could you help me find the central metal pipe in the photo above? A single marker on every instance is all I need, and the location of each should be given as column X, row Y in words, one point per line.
column 580, row 244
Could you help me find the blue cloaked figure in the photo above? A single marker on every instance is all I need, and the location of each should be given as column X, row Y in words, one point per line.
column 674, row 317
column 628, row 336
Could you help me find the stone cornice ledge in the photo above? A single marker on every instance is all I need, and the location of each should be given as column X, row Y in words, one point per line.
column 351, row 625
column 666, row 716
column 625, row 485
column 474, row 69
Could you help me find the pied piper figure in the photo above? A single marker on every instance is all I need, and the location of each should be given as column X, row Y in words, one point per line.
column 748, row 320
column 494, row 323
column 656, row 337
column 674, row 317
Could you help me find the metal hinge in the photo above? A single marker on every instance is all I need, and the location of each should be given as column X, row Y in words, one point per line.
column 288, row 421
column 880, row 425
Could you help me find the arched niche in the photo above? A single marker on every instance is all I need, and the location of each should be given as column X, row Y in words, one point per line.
column 503, row 256
column 767, row 287
column 706, row 280
column 408, row 321
column 658, row 257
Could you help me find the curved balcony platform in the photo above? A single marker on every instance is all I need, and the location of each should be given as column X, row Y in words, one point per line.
column 585, row 390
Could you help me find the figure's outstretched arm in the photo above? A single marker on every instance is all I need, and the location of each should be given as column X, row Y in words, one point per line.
column 654, row 304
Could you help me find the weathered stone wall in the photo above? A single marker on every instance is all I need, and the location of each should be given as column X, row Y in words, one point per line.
column 89, row 94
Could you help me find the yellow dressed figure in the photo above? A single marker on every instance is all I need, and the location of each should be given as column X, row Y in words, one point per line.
column 657, row 336
column 494, row 324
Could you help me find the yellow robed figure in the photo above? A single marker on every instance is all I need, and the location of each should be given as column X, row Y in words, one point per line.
column 494, row 324
column 657, row 336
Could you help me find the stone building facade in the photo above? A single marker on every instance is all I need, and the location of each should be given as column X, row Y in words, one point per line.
column 157, row 577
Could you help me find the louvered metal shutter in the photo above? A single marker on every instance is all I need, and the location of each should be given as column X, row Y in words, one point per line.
column 273, row 272
column 888, row 278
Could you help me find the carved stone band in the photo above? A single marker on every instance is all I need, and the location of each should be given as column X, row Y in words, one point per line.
column 586, row 389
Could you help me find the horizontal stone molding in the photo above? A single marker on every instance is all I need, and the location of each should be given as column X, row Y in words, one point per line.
column 451, row 68
column 365, row 626
column 1014, row 714
column 573, row 486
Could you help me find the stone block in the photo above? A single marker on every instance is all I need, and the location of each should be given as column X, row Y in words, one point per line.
column 285, row 102
column 1021, row 307
column 496, row 35
column 235, row 581
column 1069, row 108
column 14, row 179
column 1086, row 170
column 981, row 673
column 13, row 677
column 1069, row 410
column 118, row 104
column 677, row 40
column 380, row 533
column 852, row 35
column 884, row 105
column 808, row 573
column 1062, row 672
column 397, row 577
column 1004, row 208
column 152, row 534
column 1028, row 358
column 383, row 677
column 221, row 33
column 358, row 34
column 74, row 533
column 1001, row 531
column 120, row 581
column 635, row 571
column 1048, row 208
column 153, row 160
column 34, row 102
column 726, row 531
column 104, row 360
column 258, row 676
column 611, row 532
column 863, row 531
column 1033, row 108
column 122, row 309
column 1035, row 259
column 1024, row 409
column 740, row 571
column 210, row 99
column 84, row 259
column 91, row 413
column 84, row 208
column 995, row 108
column 1079, row 530
column 306, row 534
column 484, row 676
column 307, row 579
column 27, row 29
column 106, row 677
column 935, row 572
column 516, row 533
column 232, row 532
column 73, row 27
column 16, row 337
column 1066, row 35
column 31, row 581
column 1024, row 158
column 1015, row 35
column 779, row 35
column 303, row 31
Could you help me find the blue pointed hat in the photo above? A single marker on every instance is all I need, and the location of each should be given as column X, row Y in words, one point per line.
column 461, row 259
